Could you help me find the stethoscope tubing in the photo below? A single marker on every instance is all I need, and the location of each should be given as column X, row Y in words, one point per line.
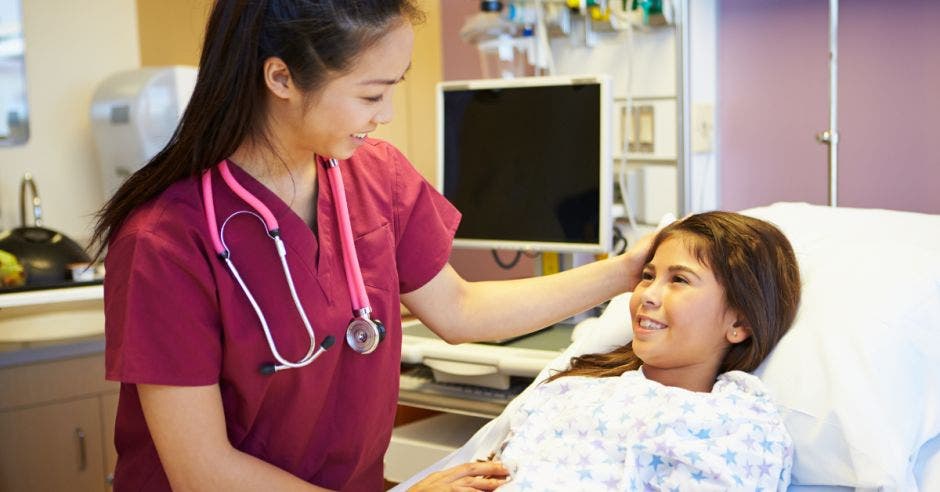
column 269, row 221
column 357, row 288
column 312, row 352
column 357, row 292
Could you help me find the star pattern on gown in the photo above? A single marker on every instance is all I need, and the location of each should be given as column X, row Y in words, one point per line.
column 729, row 456
column 591, row 434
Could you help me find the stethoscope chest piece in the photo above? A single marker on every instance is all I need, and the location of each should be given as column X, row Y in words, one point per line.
column 363, row 335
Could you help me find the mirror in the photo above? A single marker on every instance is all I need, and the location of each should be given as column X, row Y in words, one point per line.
column 14, row 116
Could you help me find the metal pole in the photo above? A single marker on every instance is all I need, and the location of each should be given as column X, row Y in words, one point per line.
column 684, row 109
column 833, row 101
column 831, row 136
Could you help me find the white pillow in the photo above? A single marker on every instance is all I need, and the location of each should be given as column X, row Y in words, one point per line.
column 609, row 331
column 857, row 378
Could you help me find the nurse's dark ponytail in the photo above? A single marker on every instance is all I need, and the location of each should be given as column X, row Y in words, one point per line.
column 315, row 38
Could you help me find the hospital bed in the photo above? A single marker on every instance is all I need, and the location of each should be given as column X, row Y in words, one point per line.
column 857, row 378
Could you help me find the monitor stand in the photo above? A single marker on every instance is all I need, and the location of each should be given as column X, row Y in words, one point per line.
column 506, row 341
column 550, row 263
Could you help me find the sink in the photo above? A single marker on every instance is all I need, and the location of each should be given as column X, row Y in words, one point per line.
column 59, row 314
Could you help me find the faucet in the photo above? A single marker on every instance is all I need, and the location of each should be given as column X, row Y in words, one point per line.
column 37, row 203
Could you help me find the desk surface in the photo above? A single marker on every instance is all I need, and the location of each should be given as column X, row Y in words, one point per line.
column 522, row 357
column 552, row 339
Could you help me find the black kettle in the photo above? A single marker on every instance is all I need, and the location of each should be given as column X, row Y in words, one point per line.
column 44, row 253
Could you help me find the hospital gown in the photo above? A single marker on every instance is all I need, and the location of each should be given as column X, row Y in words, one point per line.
column 631, row 433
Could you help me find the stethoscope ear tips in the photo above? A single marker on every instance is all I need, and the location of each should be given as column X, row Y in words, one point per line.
column 269, row 369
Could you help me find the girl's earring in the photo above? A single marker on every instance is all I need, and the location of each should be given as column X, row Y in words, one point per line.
column 734, row 333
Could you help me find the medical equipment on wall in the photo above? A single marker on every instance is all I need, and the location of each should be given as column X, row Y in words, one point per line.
column 133, row 115
column 513, row 37
column 513, row 41
column 647, row 13
column 363, row 333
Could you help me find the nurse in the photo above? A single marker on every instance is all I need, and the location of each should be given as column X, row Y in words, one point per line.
column 273, row 141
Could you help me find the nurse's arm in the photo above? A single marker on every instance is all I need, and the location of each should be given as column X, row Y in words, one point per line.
column 460, row 311
column 187, row 424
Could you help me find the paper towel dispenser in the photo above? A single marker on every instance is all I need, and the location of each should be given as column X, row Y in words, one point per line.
column 133, row 115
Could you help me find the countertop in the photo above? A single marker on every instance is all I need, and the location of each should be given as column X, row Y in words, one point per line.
column 49, row 324
column 66, row 349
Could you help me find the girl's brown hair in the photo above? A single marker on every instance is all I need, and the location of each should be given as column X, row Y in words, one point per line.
column 755, row 264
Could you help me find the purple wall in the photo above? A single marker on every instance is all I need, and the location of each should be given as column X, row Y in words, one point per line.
column 461, row 60
column 773, row 98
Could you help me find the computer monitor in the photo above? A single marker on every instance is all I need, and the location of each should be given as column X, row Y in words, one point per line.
column 527, row 162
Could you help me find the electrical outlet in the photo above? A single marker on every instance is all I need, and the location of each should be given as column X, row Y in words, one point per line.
column 637, row 127
column 703, row 127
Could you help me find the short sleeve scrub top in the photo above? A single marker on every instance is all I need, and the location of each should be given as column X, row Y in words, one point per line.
column 176, row 316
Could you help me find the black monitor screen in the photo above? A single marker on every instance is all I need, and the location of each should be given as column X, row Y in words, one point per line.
column 524, row 163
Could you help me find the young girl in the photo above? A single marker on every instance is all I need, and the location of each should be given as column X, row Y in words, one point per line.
column 675, row 408
column 232, row 267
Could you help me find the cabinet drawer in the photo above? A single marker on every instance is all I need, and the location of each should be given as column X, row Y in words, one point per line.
column 420, row 444
column 45, row 382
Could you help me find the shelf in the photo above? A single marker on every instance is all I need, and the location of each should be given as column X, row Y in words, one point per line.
column 643, row 159
column 450, row 404
column 646, row 98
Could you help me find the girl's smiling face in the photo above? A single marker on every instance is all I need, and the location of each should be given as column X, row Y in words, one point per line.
column 682, row 325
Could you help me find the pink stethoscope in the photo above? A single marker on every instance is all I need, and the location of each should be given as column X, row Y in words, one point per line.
column 363, row 333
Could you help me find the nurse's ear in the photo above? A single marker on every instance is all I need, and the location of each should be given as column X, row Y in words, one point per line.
column 278, row 79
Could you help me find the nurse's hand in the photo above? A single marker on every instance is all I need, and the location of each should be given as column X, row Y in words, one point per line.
column 481, row 475
column 634, row 259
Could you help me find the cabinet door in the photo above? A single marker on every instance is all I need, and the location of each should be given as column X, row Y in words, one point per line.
column 52, row 447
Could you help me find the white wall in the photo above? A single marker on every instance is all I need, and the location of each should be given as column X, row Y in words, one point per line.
column 654, row 75
column 703, row 63
column 654, row 58
column 71, row 45
column 652, row 178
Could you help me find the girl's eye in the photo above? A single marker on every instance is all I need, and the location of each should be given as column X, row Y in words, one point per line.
column 646, row 276
column 680, row 279
column 373, row 99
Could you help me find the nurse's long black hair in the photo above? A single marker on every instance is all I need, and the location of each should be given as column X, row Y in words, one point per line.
column 315, row 38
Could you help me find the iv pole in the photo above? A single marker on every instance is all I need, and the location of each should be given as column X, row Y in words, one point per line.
column 830, row 137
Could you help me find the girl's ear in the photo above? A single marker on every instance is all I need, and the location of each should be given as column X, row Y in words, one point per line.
column 277, row 77
column 740, row 331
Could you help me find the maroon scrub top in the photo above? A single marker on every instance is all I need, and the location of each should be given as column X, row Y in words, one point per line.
column 176, row 316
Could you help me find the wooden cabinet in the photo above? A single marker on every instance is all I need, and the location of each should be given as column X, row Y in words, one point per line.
column 52, row 447
column 56, row 426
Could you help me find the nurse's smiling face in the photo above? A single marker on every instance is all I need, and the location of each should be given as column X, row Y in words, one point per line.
column 353, row 104
column 682, row 324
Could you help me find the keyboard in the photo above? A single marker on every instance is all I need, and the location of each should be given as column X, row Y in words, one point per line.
column 419, row 378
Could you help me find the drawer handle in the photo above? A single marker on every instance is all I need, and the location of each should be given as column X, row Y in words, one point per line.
column 82, row 455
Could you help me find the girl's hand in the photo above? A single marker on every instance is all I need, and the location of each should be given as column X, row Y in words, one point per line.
column 481, row 475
